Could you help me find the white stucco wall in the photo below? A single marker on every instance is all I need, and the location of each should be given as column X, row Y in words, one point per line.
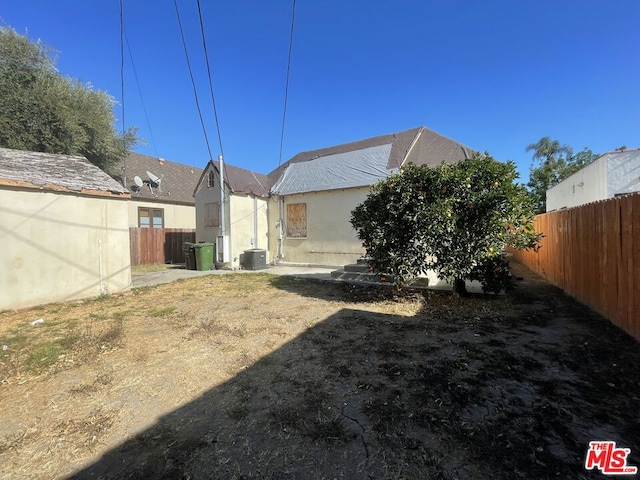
column 175, row 216
column 203, row 196
column 239, row 219
column 57, row 247
column 586, row 185
column 243, row 211
column 331, row 240
column 623, row 173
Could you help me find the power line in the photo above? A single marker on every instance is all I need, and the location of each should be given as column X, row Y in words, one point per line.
column 286, row 88
column 124, row 137
column 195, row 91
column 213, row 98
column 144, row 107
column 122, row 65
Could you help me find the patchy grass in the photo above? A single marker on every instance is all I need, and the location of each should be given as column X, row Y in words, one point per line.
column 257, row 376
column 162, row 312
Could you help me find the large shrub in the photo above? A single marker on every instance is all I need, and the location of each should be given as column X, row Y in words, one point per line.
column 455, row 219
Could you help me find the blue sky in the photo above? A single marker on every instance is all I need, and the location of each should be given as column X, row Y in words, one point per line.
column 494, row 75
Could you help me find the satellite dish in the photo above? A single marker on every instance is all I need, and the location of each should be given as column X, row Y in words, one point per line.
column 138, row 181
column 155, row 179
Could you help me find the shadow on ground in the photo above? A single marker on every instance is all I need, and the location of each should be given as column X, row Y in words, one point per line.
column 503, row 389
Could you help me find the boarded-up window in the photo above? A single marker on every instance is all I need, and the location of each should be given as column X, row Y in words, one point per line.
column 212, row 214
column 150, row 217
column 297, row 220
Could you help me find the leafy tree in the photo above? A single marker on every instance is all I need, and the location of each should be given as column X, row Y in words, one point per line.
column 548, row 169
column 455, row 219
column 552, row 163
column 43, row 111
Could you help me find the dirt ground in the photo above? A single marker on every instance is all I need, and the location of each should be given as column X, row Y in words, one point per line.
column 258, row 376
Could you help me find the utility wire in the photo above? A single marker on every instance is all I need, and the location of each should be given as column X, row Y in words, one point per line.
column 195, row 91
column 213, row 98
column 122, row 63
column 286, row 88
column 144, row 107
column 124, row 141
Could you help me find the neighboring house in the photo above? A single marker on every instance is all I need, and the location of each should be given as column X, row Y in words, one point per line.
column 64, row 232
column 165, row 203
column 244, row 214
column 301, row 211
column 313, row 194
column 610, row 175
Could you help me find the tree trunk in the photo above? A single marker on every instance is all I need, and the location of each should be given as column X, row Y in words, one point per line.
column 460, row 287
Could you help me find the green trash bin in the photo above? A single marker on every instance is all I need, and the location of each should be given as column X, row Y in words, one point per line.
column 205, row 253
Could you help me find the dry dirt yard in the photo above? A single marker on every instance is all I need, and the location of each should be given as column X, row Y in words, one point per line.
column 258, row 376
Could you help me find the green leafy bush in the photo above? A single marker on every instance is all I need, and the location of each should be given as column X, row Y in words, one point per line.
column 455, row 219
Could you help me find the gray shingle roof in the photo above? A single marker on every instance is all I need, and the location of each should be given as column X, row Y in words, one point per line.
column 417, row 145
column 241, row 180
column 63, row 173
column 354, row 164
column 178, row 180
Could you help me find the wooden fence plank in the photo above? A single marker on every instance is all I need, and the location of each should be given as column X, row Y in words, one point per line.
column 635, row 261
column 158, row 245
column 593, row 253
column 625, row 259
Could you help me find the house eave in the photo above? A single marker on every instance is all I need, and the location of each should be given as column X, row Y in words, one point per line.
column 50, row 187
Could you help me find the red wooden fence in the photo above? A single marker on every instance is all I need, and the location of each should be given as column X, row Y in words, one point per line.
column 592, row 252
column 158, row 245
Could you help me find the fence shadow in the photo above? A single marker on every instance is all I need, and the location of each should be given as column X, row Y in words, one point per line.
column 292, row 414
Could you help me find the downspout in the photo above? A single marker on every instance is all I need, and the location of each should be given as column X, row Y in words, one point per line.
column 280, row 228
column 255, row 222
column 100, row 274
column 223, row 227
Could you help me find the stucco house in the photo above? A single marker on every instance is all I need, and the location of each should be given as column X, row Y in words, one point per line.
column 313, row 194
column 612, row 174
column 165, row 203
column 64, row 230
column 302, row 209
column 243, row 211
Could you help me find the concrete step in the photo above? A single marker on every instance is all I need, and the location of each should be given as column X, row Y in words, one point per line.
column 357, row 267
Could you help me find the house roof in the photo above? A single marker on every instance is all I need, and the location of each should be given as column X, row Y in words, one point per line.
column 55, row 172
column 353, row 164
column 240, row 180
column 339, row 170
column 177, row 180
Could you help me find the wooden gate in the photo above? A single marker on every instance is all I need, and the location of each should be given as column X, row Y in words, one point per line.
column 158, row 245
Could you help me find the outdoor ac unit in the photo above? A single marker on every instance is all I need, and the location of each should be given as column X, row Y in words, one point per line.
column 255, row 259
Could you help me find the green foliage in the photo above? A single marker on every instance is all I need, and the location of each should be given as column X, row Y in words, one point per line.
column 43, row 111
column 552, row 164
column 455, row 219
